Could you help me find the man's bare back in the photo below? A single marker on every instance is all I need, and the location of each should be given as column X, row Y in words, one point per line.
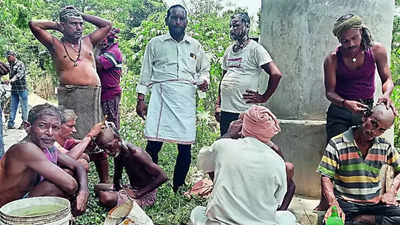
column 139, row 167
column 144, row 175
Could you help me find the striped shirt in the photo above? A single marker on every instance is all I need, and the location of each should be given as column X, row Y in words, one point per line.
column 356, row 178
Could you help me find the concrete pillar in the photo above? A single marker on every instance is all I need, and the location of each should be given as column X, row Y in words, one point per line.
column 298, row 35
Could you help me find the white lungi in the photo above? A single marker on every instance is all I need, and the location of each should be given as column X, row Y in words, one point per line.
column 171, row 116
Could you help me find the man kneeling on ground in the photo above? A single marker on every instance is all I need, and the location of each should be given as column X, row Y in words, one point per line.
column 144, row 175
column 250, row 177
column 351, row 166
column 32, row 167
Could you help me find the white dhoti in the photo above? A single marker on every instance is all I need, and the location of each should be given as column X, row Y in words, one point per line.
column 171, row 116
column 198, row 217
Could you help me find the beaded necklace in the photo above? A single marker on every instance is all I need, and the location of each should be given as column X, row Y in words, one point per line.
column 69, row 57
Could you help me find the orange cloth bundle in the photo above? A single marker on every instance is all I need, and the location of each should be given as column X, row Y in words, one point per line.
column 261, row 123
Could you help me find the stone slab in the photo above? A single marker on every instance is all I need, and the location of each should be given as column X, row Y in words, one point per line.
column 302, row 143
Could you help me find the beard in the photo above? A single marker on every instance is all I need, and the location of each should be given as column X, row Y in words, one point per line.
column 238, row 36
column 177, row 31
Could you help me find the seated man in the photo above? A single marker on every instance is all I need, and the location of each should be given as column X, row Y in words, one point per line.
column 74, row 148
column 144, row 175
column 32, row 167
column 236, row 132
column 350, row 169
column 250, row 178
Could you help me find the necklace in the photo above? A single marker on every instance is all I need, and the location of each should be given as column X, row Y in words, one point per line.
column 354, row 58
column 69, row 57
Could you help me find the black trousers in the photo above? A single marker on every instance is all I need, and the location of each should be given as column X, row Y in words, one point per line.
column 340, row 119
column 226, row 120
column 385, row 215
column 182, row 161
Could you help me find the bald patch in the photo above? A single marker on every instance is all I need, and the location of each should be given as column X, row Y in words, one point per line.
column 105, row 136
column 383, row 114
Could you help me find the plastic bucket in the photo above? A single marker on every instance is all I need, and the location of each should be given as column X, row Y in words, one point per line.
column 37, row 210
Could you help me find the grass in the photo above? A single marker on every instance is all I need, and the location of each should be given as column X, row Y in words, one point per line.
column 170, row 208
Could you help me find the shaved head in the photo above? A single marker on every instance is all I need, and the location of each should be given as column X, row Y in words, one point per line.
column 105, row 136
column 384, row 114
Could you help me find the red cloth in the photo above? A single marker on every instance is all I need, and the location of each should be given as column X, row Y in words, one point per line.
column 70, row 143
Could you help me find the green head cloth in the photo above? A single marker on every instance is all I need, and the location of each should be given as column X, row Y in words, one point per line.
column 351, row 21
column 345, row 23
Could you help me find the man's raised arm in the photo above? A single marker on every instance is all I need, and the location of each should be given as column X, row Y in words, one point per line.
column 39, row 30
column 104, row 26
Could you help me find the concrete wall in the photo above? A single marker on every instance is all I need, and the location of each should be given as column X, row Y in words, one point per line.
column 301, row 143
column 298, row 35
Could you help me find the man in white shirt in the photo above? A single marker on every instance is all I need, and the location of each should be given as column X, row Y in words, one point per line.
column 250, row 177
column 174, row 65
column 242, row 65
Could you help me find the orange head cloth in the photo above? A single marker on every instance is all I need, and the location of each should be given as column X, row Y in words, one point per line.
column 259, row 122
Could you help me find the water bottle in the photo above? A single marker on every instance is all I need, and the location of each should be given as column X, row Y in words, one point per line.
column 334, row 219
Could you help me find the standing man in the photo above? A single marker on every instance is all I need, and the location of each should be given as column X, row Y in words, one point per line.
column 250, row 177
column 242, row 65
column 19, row 90
column 172, row 66
column 351, row 172
column 350, row 77
column 3, row 71
column 109, row 68
column 75, row 65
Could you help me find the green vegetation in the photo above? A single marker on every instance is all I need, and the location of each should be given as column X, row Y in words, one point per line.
column 395, row 68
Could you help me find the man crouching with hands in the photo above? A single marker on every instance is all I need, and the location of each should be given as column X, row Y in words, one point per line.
column 144, row 175
column 33, row 167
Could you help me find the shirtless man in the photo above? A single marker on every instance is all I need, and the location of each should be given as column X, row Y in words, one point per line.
column 33, row 168
column 144, row 175
column 75, row 65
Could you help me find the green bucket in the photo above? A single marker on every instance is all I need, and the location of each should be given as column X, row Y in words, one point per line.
column 37, row 210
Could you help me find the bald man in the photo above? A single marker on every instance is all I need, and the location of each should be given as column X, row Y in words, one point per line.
column 350, row 169
column 144, row 175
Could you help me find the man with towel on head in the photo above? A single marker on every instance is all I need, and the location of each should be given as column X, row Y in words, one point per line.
column 75, row 65
column 350, row 78
column 250, row 178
